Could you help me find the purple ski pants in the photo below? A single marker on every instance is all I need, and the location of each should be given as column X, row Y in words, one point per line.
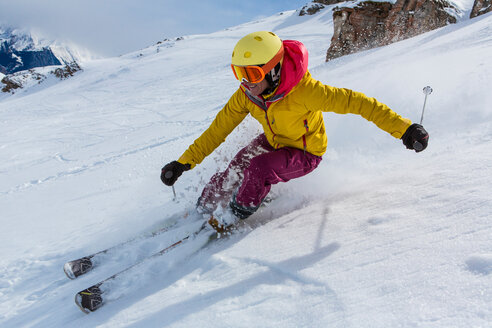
column 252, row 172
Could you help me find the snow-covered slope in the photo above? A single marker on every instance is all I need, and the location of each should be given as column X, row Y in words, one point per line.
column 377, row 236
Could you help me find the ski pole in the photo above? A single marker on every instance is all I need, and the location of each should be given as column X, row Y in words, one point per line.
column 169, row 175
column 427, row 91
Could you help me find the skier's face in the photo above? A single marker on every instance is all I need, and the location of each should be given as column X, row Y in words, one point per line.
column 257, row 88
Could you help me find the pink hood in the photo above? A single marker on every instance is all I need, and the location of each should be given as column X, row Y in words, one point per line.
column 294, row 66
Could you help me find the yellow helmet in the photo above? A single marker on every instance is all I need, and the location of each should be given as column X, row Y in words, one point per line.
column 256, row 48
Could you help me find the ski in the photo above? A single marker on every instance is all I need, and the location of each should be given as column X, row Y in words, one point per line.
column 76, row 268
column 91, row 299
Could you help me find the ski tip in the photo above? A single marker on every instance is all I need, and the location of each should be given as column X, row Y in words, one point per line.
column 90, row 299
column 78, row 301
column 76, row 268
column 67, row 268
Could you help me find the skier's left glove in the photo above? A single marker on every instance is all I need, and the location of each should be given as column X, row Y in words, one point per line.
column 172, row 171
column 415, row 137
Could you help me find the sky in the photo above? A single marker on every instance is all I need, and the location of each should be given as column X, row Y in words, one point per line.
column 115, row 27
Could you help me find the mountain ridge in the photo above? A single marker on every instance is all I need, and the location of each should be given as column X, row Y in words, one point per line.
column 21, row 49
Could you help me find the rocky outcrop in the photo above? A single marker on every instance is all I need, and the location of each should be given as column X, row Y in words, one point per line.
column 359, row 28
column 373, row 24
column 67, row 71
column 328, row 2
column 481, row 7
column 315, row 6
column 9, row 85
column 26, row 79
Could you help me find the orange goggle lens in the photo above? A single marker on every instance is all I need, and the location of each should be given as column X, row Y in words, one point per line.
column 252, row 74
column 256, row 74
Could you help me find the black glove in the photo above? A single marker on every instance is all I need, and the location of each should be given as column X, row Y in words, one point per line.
column 415, row 137
column 172, row 171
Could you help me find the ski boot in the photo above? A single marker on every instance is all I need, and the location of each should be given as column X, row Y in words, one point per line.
column 219, row 227
column 223, row 220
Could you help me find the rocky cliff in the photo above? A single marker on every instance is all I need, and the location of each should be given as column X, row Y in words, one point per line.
column 370, row 24
column 481, row 7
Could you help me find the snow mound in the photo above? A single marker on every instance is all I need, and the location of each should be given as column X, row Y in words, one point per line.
column 480, row 263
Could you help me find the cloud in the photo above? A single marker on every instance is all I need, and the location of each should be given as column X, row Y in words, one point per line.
column 114, row 27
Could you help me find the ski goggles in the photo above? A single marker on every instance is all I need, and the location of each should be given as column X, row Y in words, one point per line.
column 256, row 74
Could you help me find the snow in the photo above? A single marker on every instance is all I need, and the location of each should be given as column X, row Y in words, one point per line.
column 377, row 236
column 464, row 9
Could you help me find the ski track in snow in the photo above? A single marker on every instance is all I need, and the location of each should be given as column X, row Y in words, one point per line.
column 78, row 170
column 377, row 236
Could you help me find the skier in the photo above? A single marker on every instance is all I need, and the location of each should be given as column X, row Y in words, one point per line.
column 277, row 90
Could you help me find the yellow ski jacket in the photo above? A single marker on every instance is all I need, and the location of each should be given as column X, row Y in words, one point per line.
column 293, row 116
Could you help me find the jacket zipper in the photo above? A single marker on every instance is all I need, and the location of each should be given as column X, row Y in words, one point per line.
column 265, row 109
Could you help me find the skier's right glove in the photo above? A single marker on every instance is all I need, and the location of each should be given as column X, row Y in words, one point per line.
column 415, row 137
column 172, row 171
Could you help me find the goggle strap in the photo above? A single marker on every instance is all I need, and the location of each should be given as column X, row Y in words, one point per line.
column 274, row 61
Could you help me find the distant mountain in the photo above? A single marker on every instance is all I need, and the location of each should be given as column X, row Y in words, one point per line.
column 22, row 50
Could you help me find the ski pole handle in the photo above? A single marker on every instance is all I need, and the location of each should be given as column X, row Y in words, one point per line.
column 427, row 90
column 417, row 146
